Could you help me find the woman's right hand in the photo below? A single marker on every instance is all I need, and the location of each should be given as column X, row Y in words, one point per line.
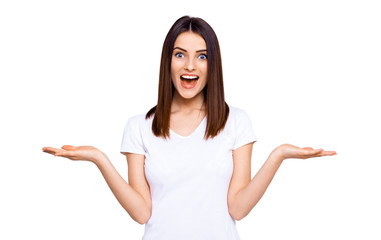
column 84, row 153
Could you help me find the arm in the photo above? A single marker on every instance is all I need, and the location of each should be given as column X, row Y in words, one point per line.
column 244, row 193
column 134, row 197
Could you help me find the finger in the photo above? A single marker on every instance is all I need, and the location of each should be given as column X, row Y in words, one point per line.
column 45, row 149
column 67, row 154
column 310, row 151
column 51, row 150
column 328, row 153
column 323, row 154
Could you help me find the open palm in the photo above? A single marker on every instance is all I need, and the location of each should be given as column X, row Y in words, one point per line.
column 291, row 151
column 85, row 153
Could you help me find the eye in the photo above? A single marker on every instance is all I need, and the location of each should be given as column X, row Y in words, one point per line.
column 202, row 56
column 179, row 55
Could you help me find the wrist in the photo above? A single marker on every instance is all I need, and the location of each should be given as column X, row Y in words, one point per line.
column 100, row 159
column 278, row 154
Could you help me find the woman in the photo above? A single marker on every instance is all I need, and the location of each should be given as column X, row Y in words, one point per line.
column 189, row 156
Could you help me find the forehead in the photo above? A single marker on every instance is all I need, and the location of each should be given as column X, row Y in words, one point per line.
column 190, row 41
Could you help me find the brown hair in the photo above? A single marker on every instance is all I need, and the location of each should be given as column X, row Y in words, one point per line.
column 217, row 111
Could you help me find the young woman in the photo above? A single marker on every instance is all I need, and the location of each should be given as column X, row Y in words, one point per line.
column 189, row 157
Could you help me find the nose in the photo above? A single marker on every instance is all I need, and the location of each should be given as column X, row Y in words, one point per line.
column 189, row 65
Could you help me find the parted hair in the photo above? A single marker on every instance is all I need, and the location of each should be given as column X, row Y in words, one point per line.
column 217, row 110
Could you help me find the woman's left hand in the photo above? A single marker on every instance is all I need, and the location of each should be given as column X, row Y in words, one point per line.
column 285, row 151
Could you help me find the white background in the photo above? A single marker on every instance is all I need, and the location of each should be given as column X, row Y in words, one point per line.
column 72, row 72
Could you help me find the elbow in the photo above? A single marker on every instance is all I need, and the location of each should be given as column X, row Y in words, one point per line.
column 141, row 222
column 237, row 213
column 237, row 216
column 143, row 218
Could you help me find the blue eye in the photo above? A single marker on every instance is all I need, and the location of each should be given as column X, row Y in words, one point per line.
column 202, row 56
column 180, row 55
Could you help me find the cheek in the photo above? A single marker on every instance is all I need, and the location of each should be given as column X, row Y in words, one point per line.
column 174, row 68
column 174, row 78
column 205, row 71
column 204, row 67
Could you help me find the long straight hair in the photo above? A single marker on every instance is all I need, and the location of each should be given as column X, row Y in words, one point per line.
column 217, row 111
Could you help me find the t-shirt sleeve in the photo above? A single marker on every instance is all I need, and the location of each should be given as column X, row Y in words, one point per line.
column 244, row 132
column 132, row 137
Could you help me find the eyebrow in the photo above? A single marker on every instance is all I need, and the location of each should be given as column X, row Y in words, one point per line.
column 182, row 49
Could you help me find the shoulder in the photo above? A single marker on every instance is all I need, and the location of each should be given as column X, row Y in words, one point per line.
column 236, row 113
column 241, row 127
column 140, row 118
column 239, row 119
column 139, row 121
column 137, row 118
column 235, row 110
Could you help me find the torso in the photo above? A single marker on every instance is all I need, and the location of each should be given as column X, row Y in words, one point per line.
column 189, row 176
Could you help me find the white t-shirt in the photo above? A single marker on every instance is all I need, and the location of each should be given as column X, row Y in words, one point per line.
column 189, row 177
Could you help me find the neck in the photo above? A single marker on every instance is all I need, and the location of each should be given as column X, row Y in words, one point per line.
column 180, row 104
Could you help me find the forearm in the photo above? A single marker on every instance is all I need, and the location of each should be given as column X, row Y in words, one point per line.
column 130, row 199
column 248, row 197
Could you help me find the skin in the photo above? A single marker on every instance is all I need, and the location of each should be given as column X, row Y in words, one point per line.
column 189, row 57
column 187, row 109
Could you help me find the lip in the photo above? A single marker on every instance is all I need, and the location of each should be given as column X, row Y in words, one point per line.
column 188, row 83
column 189, row 74
column 184, row 76
column 191, row 85
column 189, row 77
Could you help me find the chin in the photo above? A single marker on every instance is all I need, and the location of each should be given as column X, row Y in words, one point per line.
column 187, row 95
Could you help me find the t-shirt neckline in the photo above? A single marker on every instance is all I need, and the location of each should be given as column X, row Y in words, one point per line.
column 190, row 135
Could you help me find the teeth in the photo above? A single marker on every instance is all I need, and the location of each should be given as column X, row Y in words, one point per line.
column 189, row 77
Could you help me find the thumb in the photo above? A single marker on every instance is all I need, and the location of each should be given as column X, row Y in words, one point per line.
column 308, row 148
column 69, row 147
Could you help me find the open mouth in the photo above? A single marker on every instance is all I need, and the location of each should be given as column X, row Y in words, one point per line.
column 188, row 77
column 188, row 81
